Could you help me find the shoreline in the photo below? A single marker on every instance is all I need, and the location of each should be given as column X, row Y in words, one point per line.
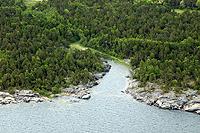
column 78, row 92
column 84, row 91
column 153, row 95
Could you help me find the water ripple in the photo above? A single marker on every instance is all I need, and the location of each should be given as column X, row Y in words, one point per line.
column 108, row 111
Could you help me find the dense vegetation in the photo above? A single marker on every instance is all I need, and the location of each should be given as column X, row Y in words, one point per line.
column 162, row 39
column 163, row 44
column 35, row 53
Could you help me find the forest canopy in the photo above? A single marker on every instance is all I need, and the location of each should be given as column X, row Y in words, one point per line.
column 35, row 52
column 161, row 38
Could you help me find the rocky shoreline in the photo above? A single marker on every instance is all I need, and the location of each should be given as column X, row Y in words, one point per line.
column 78, row 92
column 83, row 91
column 153, row 95
column 20, row 96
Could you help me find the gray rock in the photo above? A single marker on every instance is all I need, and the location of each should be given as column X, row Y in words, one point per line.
column 198, row 112
column 174, row 105
column 70, row 90
column 26, row 99
column 86, row 97
column 171, row 95
column 155, row 95
column 37, row 100
column 99, row 75
column 20, row 96
column 151, row 94
column 107, row 68
column 1, row 99
column 162, row 103
column 133, row 84
column 122, row 92
column 5, row 94
column 195, row 100
column 191, row 93
column 193, row 107
column 92, row 84
column 7, row 100
column 26, row 93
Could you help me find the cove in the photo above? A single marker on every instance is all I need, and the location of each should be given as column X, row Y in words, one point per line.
column 108, row 111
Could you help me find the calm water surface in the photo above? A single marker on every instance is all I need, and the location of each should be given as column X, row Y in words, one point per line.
column 108, row 111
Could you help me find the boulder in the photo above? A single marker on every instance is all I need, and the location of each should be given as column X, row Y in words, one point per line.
column 86, row 97
column 1, row 99
column 26, row 93
column 174, row 105
column 128, row 76
column 92, row 84
column 69, row 90
column 181, row 100
column 195, row 100
column 193, row 107
column 198, row 112
column 7, row 100
column 26, row 99
column 152, row 98
column 133, row 84
column 161, row 103
column 37, row 100
column 84, row 94
column 95, row 83
column 122, row 92
column 170, row 95
column 107, row 68
column 20, row 96
column 98, row 76
column 140, row 90
column 190, row 93
column 5, row 94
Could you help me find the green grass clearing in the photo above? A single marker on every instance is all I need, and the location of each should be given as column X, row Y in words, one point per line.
column 181, row 11
column 78, row 46
column 30, row 3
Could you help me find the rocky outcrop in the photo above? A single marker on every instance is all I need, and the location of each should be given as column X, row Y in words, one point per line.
column 86, row 96
column 20, row 96
column 153, row 95
column 107, row 66
column 82, row 91
column 98, row 76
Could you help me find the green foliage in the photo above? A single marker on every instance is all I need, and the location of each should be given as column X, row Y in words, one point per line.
column 198, row 3
column 163, row 45
column 35, row 53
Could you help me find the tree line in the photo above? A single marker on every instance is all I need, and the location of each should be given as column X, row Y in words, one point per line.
column 163, row 45
column 35, row 52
